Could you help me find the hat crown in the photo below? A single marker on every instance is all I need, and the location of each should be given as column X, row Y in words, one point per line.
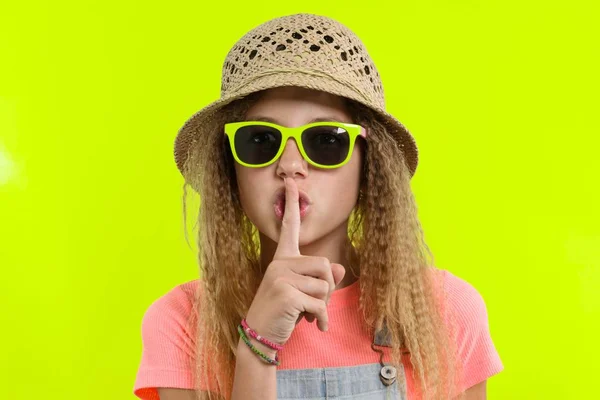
column 306, row 44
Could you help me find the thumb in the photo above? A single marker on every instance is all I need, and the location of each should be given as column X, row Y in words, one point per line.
column 338, row 272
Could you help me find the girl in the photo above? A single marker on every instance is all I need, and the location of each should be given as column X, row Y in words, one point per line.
column 316, row 282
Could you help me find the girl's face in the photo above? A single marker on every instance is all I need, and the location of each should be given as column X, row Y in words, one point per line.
column 332, row 192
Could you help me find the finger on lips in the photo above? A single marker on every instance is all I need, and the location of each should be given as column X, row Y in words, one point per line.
column 289, row 236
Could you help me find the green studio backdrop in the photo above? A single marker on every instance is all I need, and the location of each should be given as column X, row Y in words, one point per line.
column 502, row 97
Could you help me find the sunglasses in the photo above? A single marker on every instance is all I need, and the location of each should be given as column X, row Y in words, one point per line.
column 257, row 144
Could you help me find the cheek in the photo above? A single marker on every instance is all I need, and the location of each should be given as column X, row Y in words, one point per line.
column 342, row 188
column 352, row 183
column 244, row 183
column 250, row 186
column 355, row 167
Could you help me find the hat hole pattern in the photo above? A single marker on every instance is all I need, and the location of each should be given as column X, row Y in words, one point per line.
column 302, row 56
column 347, row 54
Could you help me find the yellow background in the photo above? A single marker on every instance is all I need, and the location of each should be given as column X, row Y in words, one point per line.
column 502, row 97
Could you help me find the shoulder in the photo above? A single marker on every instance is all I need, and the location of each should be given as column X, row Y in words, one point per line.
column 463, row 306
column 176, row 301
column 467, row 315
column 175, row 306
column 168, row 341
column 463, row 300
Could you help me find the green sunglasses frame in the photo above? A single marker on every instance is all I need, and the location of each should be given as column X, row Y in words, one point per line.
column 353, row 132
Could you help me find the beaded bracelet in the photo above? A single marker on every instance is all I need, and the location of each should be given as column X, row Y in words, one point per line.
column 265, row 341
column 262, row 356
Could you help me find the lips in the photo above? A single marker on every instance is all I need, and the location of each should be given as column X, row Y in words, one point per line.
column 304, row 203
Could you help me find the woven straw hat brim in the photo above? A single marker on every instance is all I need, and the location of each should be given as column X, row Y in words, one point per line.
column 193, row 126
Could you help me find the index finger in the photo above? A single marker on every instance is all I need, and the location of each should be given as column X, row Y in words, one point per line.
column 289, row 236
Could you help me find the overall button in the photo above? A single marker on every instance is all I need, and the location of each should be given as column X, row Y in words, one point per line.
column 388, row 375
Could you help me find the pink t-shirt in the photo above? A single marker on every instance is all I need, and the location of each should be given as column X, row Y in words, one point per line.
column 168, row 341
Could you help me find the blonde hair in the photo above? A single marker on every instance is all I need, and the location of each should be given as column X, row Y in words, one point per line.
column 398, row 285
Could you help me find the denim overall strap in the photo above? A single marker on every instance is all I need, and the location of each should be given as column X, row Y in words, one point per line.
column 359, row 382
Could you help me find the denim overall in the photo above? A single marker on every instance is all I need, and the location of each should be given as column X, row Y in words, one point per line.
column 379, row 381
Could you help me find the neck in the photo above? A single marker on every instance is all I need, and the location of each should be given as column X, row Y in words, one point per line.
column 335, row 246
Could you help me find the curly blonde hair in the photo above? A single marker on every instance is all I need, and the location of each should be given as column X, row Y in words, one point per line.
column 397, row 286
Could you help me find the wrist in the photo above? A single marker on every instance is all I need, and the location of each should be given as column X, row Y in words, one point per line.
column 269, row 357
column 259, row 338
column 262, row 347
column 246, row 355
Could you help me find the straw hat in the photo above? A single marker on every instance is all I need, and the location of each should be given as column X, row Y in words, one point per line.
column 305, row 50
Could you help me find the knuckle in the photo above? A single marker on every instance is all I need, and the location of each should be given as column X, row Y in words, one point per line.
column 323, row 287
column 291, row 300
column 279, row 282
column 323, row 262
column 281, row 287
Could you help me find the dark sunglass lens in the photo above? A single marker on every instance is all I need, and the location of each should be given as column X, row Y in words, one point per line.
column 326, row 145
column 257, row 144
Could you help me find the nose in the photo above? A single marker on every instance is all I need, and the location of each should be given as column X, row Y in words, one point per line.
column 291, row 163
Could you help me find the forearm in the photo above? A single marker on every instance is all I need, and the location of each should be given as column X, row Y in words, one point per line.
column 254, row 379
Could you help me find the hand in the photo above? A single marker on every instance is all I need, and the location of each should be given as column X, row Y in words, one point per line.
column 293, row 285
